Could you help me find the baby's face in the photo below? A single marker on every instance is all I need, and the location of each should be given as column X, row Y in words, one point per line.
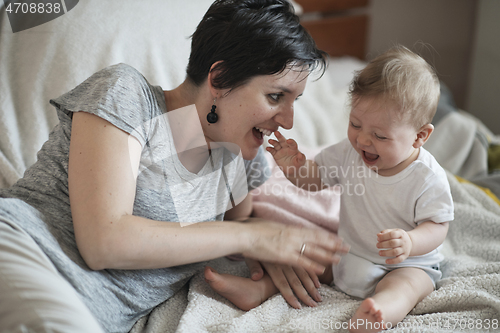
column 381, row 138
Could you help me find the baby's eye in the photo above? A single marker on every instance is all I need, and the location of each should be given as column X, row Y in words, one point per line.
column 355, row 126
column 276, row 97
column 380, row 137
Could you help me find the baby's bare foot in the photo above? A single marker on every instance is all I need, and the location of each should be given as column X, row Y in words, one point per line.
column 245, row 293
column 367, row 318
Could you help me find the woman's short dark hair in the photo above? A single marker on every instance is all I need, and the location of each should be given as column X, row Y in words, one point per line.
column 250, row 38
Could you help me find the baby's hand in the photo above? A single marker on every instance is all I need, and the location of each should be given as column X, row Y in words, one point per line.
column 397, row 244
column 286, row 154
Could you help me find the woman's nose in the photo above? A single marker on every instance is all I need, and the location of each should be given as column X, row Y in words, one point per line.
column 285, row 117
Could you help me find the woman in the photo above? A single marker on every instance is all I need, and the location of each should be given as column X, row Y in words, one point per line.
column 103, row 227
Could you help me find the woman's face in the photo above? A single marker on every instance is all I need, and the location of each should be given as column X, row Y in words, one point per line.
column 255, row 109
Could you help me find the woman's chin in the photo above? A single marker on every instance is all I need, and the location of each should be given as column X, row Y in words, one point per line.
column 250, row 149
column 249, row 154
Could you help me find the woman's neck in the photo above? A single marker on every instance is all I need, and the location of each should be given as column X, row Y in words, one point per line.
column 184, row 95
column 189, row 139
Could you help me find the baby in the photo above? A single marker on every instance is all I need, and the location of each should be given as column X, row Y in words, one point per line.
column 396, row 201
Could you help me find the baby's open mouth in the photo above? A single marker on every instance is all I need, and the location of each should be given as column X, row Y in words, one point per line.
column 370, row 157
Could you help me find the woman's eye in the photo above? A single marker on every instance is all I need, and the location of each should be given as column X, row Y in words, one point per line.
column 355, row 126
column 275, row 97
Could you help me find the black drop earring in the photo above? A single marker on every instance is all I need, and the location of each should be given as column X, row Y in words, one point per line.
column 212, row 117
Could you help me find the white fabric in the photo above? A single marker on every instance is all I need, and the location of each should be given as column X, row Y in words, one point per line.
column 48, row 60
column 359, row 277
column 467, row 293
column 35, row 297
column 456, row 145
column 371, row 203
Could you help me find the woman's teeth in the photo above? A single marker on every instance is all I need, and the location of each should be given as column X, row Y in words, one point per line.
column 264, row 131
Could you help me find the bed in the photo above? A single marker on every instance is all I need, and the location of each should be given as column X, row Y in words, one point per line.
column 47, row 60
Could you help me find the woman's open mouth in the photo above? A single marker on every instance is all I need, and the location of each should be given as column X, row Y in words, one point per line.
column 260, row 132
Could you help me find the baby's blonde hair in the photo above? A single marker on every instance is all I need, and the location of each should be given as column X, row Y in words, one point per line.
column 400, row 76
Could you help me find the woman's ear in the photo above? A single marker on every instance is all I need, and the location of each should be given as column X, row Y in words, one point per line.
column 212, row 74
column 423, row 135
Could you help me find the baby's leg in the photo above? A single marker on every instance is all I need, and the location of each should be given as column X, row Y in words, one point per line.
column 245, row 293
column 395, row 295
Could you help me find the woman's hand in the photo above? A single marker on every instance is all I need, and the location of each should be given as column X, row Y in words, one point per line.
column 310, row 249
column 295, row 282
column 292, row 282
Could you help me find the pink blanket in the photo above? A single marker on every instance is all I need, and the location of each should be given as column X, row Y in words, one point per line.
column 279, row 200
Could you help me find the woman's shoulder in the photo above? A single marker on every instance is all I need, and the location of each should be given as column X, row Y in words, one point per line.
column 120, row 76
column 119, row 84
column 119, row 94
column 121, row 79
column 119, row 70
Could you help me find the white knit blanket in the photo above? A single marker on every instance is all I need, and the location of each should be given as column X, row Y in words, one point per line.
column 467, row 298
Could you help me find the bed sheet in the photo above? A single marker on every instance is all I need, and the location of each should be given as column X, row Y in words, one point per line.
column 467, row 298
column 50, row 59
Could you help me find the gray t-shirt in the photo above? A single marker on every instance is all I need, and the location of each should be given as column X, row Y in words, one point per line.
column 166, row 191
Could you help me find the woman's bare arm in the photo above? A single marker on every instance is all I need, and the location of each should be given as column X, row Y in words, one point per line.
column 103, row 166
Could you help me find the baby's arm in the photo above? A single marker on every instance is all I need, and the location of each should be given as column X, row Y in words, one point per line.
column 297, row 169
column 400, row 244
